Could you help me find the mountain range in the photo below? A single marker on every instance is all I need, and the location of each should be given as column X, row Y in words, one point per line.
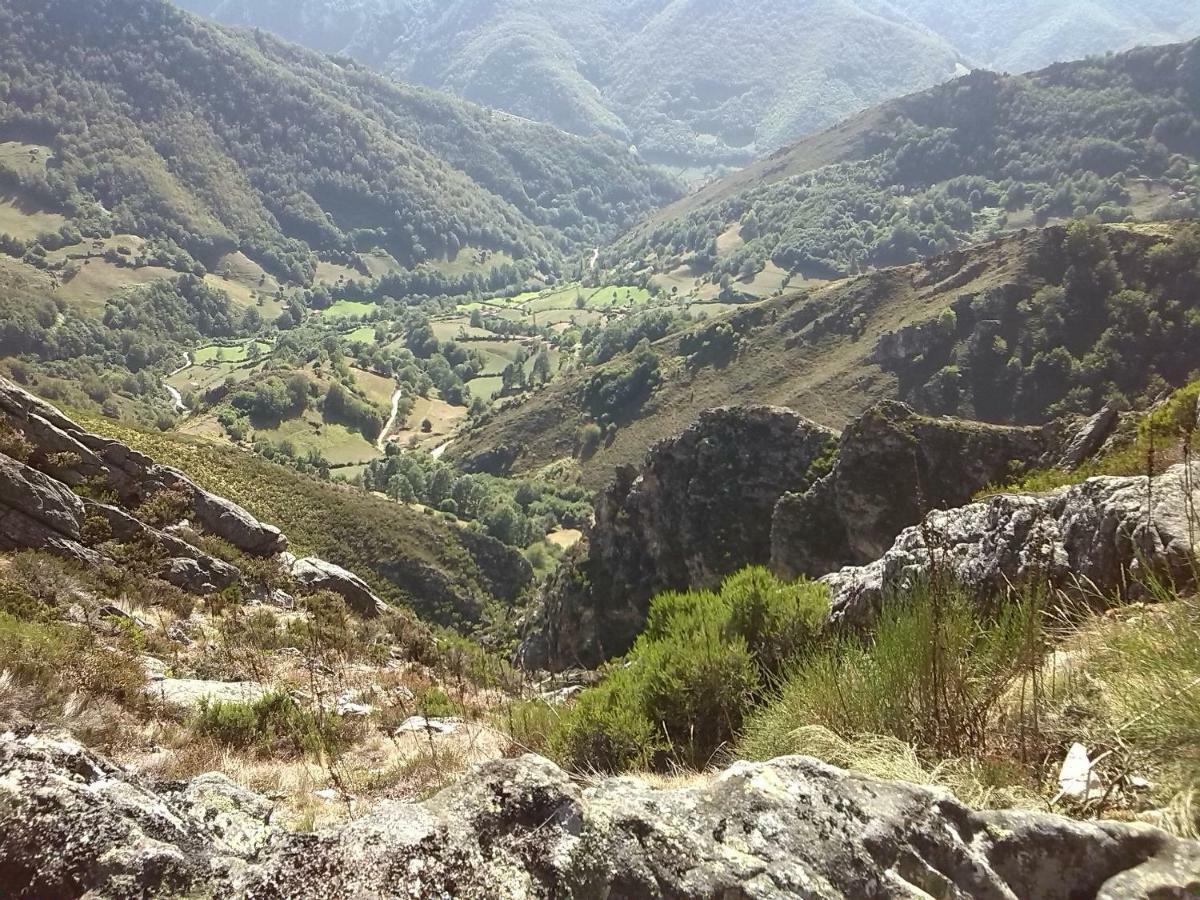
column 149, row 121
column 703, row 82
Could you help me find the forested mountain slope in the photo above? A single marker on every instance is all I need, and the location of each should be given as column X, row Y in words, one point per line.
column 704, row 81
column 1038, row 324
column 688, row 81
column 150, row 121
column 1117, row 137
column 1019, row 35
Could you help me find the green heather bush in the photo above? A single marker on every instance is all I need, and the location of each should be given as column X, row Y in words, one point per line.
column 608, row 730
column 702, row 662
column 59, row 660
column 274, row 725
column 435, row 703
column 529, row 724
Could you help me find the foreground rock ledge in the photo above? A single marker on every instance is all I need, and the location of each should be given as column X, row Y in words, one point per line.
column 71, row 823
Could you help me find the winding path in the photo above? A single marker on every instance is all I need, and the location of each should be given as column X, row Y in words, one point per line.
column 176, row 397
column 381, row 444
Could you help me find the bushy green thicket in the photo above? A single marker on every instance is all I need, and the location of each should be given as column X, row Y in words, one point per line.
column 1099, row 316
column 705, row 658
column 615, row 393
column 272, row 726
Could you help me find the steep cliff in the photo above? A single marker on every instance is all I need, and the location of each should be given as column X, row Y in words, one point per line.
column 758, row 485
column 700, row 509
column 893, row 465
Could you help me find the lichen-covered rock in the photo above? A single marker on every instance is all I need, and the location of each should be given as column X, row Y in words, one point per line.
column 72, row 455
column 698, row 510
column 39, row 513
column 893, row 465
column 71, row 824
column 188, row 693
column 319, row 575
column 238, row 820
column 199, row 576
column 1101, row 534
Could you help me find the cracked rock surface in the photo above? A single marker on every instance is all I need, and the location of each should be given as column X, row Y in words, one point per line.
column 72, row 824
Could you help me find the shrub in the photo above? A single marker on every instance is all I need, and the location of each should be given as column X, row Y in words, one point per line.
column 60, row 660
column 434, row 703
column 18, row 603
column 607, row 730
column 327, row 630
column 259, row 630
column 700, row 665
column 589, row 439
column 274, row 725
column 165, row 508
column 529, row 724
column 14, row 444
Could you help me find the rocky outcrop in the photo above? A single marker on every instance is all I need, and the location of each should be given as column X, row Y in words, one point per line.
column 319, row 575
column 893, row 465
column 1099, row 536
column 227, row 520
column 72, row 824
column 37, row 512
column 185, row 566
column 73, row 456
column 753, row 486
column 699, row 510
column 1090, row 437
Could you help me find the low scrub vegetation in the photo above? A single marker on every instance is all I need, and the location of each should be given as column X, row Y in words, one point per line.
column 702, row 663
column 274, row 726
column 984, row 696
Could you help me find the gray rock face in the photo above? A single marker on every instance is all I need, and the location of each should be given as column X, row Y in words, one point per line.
column 189, row 693
column 73, row 455
column 187, row 568
column 199, row 576
column 1090, row 437
column 40, row 513
column 892, row 466
column 70, row 824
column 699, row 510
column 238, row 820
column 37, row 512
column 228, row 520
column 319, row 575
column 1103, row 532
